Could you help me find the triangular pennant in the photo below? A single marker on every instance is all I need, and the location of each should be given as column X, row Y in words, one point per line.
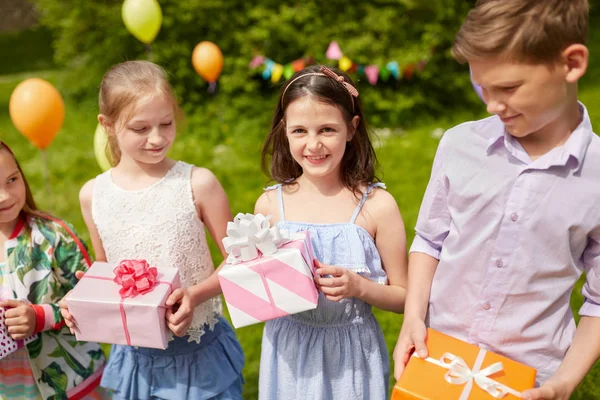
column 276, row 73
column 372, row 73
column 333, row 51
column 345, row 63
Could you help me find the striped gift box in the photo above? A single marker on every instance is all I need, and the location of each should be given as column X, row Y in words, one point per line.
column 271, row 285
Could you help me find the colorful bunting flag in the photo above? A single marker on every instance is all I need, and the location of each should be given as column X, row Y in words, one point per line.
column 275, row 71
column 288, row 71
column 334, row 52
column 298, row 65
column 257, row 61
column 372, row 74
column 345, row 63
column 394, row 69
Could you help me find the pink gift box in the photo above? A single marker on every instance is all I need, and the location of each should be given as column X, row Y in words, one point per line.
column 271, row 286
column 102, row 316
column 7, row 344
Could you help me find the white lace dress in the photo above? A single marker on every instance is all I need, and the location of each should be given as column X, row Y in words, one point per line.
column 160, row 224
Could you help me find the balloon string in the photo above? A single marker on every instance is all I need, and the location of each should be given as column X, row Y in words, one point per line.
column 212, row 87
column 47, row 179
column 149, row 51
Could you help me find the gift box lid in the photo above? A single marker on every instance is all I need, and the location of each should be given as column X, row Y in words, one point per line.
column 97, row 286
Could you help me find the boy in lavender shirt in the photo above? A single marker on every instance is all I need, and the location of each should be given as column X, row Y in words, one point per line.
column 511, row 215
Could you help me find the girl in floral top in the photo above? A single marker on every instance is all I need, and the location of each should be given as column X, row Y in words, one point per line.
column 37, row 268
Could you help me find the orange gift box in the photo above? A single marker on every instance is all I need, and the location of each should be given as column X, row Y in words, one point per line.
column 461, row 371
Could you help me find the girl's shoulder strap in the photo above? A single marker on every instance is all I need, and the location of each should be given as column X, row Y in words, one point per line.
column 272, row 187
column 279, row 188
column 364, row 197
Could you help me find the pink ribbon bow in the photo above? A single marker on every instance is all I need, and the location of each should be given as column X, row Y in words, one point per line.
column 135, row 277
column 351, row 89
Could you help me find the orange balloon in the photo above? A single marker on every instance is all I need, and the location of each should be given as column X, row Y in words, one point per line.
column 207, row 60
column 37, row 110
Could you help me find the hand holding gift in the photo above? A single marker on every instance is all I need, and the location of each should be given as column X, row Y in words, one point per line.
column 19, row 331
column 64, row 308
column 339, row 283
column 412, row 338
column 551, row 390
column 180, row 311
column 19, row 318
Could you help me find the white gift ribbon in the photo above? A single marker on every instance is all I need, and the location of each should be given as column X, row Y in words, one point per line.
column 459, row 373
column 248, row 234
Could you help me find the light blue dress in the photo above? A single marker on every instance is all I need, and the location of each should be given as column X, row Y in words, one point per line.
column 336, row 351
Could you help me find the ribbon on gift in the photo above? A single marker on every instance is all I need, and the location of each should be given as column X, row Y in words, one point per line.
column 459, row 373
column 135, row 277
column 250, row 235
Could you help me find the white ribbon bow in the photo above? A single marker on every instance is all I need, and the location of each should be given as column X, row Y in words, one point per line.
column 459, row 373
column 249, row 233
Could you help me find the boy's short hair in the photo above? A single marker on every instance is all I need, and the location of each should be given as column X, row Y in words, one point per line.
column 534, row 31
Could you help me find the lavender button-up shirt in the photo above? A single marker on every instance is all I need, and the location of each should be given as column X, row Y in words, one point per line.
column 513, row 236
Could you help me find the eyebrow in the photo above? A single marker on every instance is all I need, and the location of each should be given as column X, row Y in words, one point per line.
column 141, row 120
column 320, row 126
column 502, row 83
column 15, row 172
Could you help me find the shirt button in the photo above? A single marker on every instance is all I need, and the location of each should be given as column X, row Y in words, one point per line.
column 499, row 263
column 486, row 305
column 514, row 216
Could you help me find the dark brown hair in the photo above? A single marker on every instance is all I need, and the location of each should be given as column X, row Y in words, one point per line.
column 359, row 161
column 30, row 209
column 522, row 30
column 122, row 87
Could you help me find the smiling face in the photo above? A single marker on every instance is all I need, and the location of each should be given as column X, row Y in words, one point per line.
column 528, row 98
column 12, row 189
column 149, row 133
column 317, row 133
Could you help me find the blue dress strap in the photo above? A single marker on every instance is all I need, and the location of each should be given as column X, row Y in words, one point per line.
column 364, row 198
column 279, row 188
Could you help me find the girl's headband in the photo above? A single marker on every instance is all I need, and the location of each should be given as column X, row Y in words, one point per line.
column 324, row 71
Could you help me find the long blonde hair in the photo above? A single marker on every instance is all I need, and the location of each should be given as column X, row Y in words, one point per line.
column 121, row 89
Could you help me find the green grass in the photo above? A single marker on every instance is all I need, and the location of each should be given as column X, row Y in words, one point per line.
column 405, row 157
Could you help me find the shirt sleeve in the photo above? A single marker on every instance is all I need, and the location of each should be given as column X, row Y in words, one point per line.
column 433, row 223
column 70, row 255
column 591, row 288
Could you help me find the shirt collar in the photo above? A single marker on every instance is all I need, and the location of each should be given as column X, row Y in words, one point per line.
column 575, row 146
column 578, row 142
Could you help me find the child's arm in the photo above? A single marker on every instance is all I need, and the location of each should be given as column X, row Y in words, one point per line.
column 421, row 268
column 433, row 225
column 213, row 209
column 390, row 239
column 585, row 349
column 85, row 202
column 583, row 353
column 69, row 255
